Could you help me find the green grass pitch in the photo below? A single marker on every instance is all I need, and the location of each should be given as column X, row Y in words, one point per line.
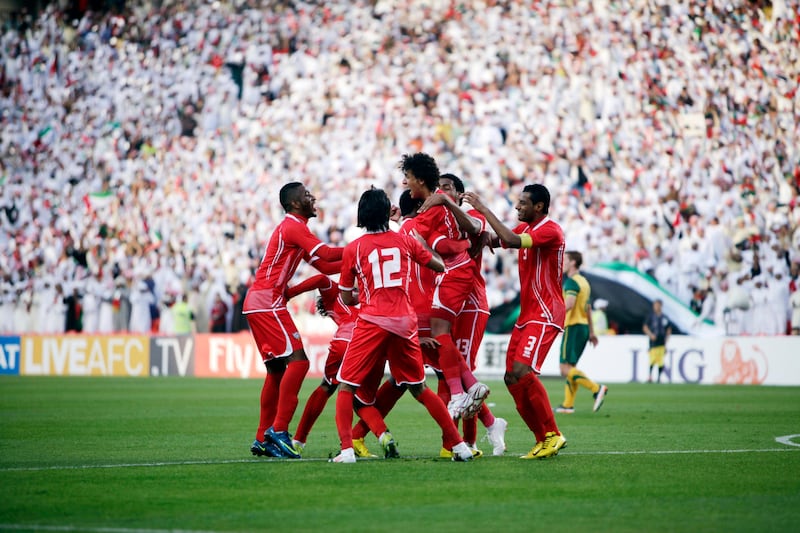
column 120, row 455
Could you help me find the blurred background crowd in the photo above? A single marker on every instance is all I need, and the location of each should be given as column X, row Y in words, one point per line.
column 142, row 144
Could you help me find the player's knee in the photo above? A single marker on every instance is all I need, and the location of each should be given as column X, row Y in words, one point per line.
column 298, row 355
column 416, row 389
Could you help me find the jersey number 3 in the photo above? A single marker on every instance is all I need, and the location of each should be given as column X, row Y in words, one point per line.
column 385, row 265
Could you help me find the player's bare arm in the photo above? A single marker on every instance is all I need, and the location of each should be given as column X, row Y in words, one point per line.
column 592, row 337
column 484, row 239
column 504, row 234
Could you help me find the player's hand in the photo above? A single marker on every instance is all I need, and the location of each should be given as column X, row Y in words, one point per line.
column 474, row 200
column 429, row 342
column 432, row 201
column 394, row 213
column 484, row 240
column 593, row 340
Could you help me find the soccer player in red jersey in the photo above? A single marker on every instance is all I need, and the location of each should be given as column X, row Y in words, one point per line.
column 421, row 177
column 271, row 325
column 421, row 287
column 542, row 311
column 379, row 264
column 470, row 325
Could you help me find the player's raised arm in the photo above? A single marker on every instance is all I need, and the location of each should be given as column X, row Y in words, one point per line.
column 504, row 234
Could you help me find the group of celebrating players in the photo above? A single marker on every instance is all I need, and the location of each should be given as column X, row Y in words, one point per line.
column 414, row 297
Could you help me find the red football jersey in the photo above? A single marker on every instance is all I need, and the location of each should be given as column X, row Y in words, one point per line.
column 439, row 223
column 540, row 274
column 290, row 243
column 479, row 292
column 380, row 264
column 423, row 279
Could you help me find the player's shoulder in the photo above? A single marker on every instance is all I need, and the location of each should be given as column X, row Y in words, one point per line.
column 407, row 225
column 579, row 279
column 292, row 224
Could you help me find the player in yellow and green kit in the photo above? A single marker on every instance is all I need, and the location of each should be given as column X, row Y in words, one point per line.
column 578, row 331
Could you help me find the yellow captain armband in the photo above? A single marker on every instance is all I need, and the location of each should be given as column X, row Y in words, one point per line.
column 525, row 240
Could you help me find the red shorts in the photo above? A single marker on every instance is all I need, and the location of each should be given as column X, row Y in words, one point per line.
column 453, row 288
column 369, row 350
column 530, row 345
column 369, row 388
column 334, row 360
column 275, row 333
column 467, row 332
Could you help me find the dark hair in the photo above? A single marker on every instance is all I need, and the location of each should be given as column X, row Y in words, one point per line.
column 457, row 183
column 575, row 256
column 408, row 205
column 538, row 193
column 423, row 167
column 289, row 193
column 373, row 210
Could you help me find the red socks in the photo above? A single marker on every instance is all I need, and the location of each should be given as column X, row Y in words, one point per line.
column 486, row 416
column 289, row 390
column 269, row 403
column 385, row 399
column 533, row 405
column 449, row 360
column 344, row 417
column 314, row 406
column 438, row 410
column 524, row 409
column 469, row 427
column 372, row 418
column 540, row 402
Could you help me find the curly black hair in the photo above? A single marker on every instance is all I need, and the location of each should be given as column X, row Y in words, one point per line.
column 423, row 167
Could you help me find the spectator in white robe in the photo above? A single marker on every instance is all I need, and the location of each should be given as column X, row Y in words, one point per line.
column 779, row 296
column 121, row 304
column 105, row 313
column 6, row 308
column 90, row 307
column 739, row 305
column 794, row 302
column 166, row 324
column 764, row 319
column 141, row 299
column 56, row 318
column 43, row 299
column 23, row 310
column 666, row 273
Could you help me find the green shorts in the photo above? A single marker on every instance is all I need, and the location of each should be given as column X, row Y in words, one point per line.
column 573, row 342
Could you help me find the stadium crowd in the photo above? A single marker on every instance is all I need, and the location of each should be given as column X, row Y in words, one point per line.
column 142, row 148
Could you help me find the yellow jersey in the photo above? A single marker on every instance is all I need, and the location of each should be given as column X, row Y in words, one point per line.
column 577, row 286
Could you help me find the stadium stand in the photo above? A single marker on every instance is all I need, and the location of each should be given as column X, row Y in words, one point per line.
column 147, row 144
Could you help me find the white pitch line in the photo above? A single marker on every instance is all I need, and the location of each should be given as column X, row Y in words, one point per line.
column 321, row 459
column 127, row 465
column 668, row 452
column 36, row 527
